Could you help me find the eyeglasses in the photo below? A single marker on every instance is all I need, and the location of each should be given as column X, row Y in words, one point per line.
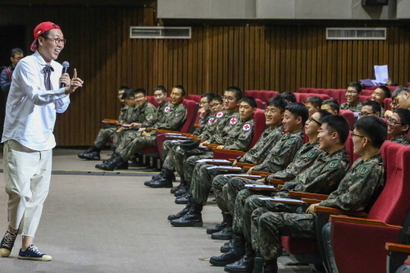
column 365, row 114
column 311, row 118
column 57, row 40
column 356, row 135
column 351, row 92
column 393, row 122
column 215, row 104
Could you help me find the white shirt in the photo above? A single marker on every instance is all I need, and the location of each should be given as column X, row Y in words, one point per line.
column 31, row 109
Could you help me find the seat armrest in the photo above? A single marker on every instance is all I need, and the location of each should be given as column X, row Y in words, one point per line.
column 277, row 181
column 308, row 195
column 355, row 220
column 398, row 248
column 263, row 174
column 227, row 151
column 311, row 200
column 339, row 211
column 248, row 165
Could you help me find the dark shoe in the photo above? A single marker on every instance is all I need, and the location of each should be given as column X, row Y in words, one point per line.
column 226, row 247
column 192, row 219
column 183, row 199
column 89, row 150
column 92, row 155
column 122, row 166
column 110, row 164
column 225, row 234
column 162, row 183
column 32, row 253
column 245, row 264
column 181, row 213
column 220, row 226
column 181, row 191
column 233, row 255
column 258, row 263
column 174, row 189
column 270, row 266
column 7, row 243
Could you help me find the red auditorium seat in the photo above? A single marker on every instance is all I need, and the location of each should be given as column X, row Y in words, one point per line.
column 301, row 97
column 387, row 102
column 349, row 116
column 363, row 98
column 194, row 97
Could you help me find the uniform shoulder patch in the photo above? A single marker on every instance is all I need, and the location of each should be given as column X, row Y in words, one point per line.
column 312, row 154
column 166, row 109
column 333, row 164
column 246, row 127
column 220, row 114
column 233, row 121
column 291, row 141
column 364, row 169
column 211, row 120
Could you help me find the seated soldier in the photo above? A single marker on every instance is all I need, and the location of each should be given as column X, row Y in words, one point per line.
column 331, row 105
column 204, row 112
column 104, row 135
column 173, row 118
column 171, row 157
column 400, row 99
column 356, row 192
column 313, row 104
column 352, row 96
column 398, row 125
column 160, row 96
column 240, row 135
column 370, row 108
column 231, row 101
column 305, row 157
column 274, row 115
column 290, row 97
column 323, row 176
column 379, row 94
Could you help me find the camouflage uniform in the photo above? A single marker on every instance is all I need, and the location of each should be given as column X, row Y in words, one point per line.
column 255, row 155
column 161, row 109
column 401, row 140
column 279, row 157
column 356, row 192
column 322, row 177
column 218, row 137
column 145, row 114
column 239, row 137
column 172, row 120
column 354, row 108
column 203, row 122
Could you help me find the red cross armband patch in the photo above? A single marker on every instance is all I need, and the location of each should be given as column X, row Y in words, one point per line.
column 246, row 127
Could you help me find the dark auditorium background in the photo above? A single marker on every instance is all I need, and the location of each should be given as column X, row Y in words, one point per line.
column 281, row 55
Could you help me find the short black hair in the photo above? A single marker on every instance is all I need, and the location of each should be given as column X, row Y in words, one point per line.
column 375, row 105
column 356, row 85
column 208, row 96
column 290, row 97
column 374, row 128
column 400, row 90
column 180, row 87
column 128, row 93
column 404, row 115
column 298, row 109
column 338, row 124
column 217, row 98
column 323, row 113
column 161, row 88
column 386, row 90
column 15, row 51
column 238, row 92
column 315, row 101
column 140, row 90
column 250, row 100
column 334, row 105
column 123, row 88
column 278, row 102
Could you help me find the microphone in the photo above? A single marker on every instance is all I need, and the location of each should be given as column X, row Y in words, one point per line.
column 65, row 65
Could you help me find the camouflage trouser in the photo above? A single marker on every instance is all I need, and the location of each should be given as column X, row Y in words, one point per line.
column 253, row 203
column 173, row 158
column 104, row 136
column 233, row 187
column 189, row 165
column 268, row 227
column 136, row 145
column 123, row 138
column 168, row 145
column 241, row 197
column 217, row 184
column 201, row 182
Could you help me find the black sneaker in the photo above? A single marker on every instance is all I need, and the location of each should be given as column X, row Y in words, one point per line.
column 32, row 253
column 7, row 243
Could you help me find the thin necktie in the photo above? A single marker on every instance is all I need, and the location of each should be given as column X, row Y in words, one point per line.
column 47, row 72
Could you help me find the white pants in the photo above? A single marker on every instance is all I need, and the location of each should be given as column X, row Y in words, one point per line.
column 27, row 175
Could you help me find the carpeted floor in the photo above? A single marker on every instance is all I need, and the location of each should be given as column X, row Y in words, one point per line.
column 110, row 222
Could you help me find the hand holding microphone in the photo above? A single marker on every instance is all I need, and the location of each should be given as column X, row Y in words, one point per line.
column 70, row 84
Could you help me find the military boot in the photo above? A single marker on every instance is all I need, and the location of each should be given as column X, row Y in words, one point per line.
column 183, row 199
column 227, row 232
column 226, row 247
column 258, row 263
column 163, row 182
column 110, row 164
column 182, row 212
column 156, row 177
column 270, row 266
column 219, row 226
column 245, row 264
column 233, row 255
column 192, row 219
column 92, row 153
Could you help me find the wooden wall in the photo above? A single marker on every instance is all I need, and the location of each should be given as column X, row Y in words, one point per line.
column 281, row 58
